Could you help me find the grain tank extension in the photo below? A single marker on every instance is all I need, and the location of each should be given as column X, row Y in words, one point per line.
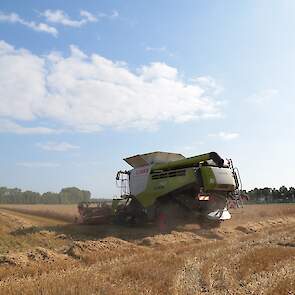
column 164, row 185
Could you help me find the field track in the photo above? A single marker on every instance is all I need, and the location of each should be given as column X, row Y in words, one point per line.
column 254, row 253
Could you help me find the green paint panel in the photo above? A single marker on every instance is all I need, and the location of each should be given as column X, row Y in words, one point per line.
column 209, row 180
column 184, row 163
column 160, row 187
column 218, row 179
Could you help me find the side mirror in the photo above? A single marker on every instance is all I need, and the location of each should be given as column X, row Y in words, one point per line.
column 118, row 175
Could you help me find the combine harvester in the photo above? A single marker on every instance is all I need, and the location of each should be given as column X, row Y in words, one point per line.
column 163, row 187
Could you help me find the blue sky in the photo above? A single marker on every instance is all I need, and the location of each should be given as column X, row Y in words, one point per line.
column 85, row 83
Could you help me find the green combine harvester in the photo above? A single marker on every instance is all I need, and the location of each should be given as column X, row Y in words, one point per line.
column 163, row 187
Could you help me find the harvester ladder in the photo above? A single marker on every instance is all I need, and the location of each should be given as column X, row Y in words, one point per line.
column 237, row 193
column 122, row 181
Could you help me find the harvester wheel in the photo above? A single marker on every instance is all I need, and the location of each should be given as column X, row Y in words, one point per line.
column 169, row 215
column 130, row 214
column 121, row 218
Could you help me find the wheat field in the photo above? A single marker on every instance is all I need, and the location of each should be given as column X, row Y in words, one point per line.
column 254, row 253
column 61, row 212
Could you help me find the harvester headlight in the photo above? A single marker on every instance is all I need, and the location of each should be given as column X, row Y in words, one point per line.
column 202, row 197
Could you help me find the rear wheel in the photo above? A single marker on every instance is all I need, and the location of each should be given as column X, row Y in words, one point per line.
column 169, row 215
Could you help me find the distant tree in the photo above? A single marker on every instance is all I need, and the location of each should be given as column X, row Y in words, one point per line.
column 266, row 193
column 253, row 194
column 30, row 197
column 51, row 198
column 74, row 195
column 275, row 194
column 292, row 193
column 283, row 193
column 69, row 195
column 8, row 195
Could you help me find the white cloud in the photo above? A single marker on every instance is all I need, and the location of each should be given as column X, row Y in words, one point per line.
column 114, row 14
column 209, row 83
column 157, row 49
column 263, row 96
column 22, row 83
column 89, row 93
column 40, row 27
column 8, row 126
column 57, row 146
column 85, row 164
column 88, row 16
column 161, row 49
column 62, row 18
column 192, row 147
column 225, row 135
column 38, row 164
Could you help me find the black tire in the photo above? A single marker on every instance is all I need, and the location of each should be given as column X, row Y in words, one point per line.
column 169, row 215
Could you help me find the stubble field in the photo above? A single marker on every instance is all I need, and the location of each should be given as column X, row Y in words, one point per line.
column 254, row 253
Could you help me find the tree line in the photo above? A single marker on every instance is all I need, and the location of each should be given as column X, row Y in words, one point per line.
column 69, row 195
column 272, row 195
column 73, row 195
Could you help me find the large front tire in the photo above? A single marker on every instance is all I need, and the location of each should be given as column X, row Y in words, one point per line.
column 169, row 215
